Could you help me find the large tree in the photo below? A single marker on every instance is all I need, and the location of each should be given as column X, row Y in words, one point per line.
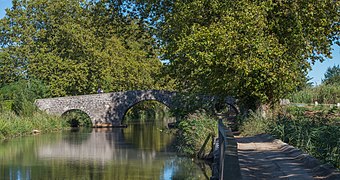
column 255, row 50
column 76, row 46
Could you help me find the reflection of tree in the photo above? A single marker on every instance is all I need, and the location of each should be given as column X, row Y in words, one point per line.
column 146, row 121
column 104, row 155
column 147, row 136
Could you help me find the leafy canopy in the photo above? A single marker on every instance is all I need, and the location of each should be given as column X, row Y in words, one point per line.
column 76, row 46
column 258, row 51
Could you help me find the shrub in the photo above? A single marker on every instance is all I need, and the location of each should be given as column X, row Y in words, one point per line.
column 193, row 131
column 12, row 125
column 325, row 94
column 255, row 124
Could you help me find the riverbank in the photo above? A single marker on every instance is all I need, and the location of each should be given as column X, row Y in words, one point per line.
column 12, row 125
column 315, row 130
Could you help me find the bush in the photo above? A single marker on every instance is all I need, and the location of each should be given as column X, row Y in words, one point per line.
column 314, row 136
column 22, row 106
column 325, row 94
column 193, row 131
column 316, row 132
column 6, row 105
column 12, row 125
column 255, row 124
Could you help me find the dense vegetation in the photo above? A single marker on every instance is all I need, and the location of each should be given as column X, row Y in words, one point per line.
column 12, row 125
column 75, row 47
column 315, row 130
column 193, row 131
column 18, row 114
column 326, row 93
column 257, row 51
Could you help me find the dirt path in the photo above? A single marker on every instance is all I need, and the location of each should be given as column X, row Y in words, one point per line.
column 262, row 157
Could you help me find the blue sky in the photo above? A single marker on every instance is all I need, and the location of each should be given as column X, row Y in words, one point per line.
column 317, row 72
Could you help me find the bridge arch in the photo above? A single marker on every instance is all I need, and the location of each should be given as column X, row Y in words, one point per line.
column 137, row 103
column 77, row 117
column 129, row 99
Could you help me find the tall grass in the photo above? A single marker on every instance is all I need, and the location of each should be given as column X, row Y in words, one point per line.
column 315, row 132
column 325, row 94
column 255, row 124
column 12, row 125
column 193, row 131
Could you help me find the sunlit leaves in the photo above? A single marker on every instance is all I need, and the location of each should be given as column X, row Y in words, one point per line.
column 76, row 47
column 257, row 51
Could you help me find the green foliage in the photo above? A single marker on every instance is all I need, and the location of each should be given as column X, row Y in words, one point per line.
column 325, row 94
column 5, row 105
column 255, row 124
column 22, row 106
column 22, row 94
column 189, row 103
column 12, row 125
column 332, row 76
column 192, row 132
column 257, row 51
column 317, row 136
column 76, row 46
column 315, row 131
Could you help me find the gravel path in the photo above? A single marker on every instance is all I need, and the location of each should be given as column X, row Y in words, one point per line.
column 262, row 157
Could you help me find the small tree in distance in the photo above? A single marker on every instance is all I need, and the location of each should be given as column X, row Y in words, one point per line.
column 332, row 76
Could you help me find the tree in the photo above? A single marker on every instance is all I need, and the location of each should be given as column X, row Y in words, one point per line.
column 332, row 75
column 77, row 46
column 258, row 51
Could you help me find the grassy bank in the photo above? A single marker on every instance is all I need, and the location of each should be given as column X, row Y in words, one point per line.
column 12, row 125
column 314, row 130
column 192, row 133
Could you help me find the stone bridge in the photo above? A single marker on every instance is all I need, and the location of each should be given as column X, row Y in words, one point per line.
column 107, row 107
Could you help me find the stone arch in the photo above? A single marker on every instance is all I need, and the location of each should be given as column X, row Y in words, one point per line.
column 79, row 110
column 125, row 100
column 138, row 102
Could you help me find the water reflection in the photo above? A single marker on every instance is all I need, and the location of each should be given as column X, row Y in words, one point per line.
column 138, row 152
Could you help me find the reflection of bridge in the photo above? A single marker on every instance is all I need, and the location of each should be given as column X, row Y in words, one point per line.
column 98, row 146
column 104, row 108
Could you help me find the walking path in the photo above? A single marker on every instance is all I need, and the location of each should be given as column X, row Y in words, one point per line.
column 262, row 157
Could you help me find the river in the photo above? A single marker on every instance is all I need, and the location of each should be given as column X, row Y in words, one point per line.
column 140, row 151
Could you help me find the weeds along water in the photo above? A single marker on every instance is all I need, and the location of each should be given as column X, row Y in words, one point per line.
column 12, row 125
column 315, row 130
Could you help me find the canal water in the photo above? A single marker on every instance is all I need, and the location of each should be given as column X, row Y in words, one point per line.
column 140, row 151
